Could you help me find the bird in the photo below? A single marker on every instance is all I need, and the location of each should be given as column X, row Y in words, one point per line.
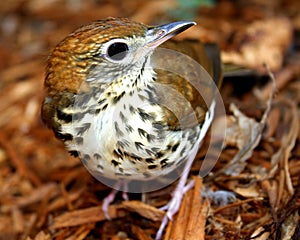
column 126, row 116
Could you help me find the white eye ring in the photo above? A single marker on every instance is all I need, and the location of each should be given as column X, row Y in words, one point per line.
column 116, row 50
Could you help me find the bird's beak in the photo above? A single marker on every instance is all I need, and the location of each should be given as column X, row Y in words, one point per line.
column 159, row 34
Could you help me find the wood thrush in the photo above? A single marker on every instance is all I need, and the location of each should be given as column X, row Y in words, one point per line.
column 125, row 117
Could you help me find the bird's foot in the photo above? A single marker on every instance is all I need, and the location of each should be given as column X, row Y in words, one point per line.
column 185, row 189
column 111, row 197
column 173, row 206
column 107, row 201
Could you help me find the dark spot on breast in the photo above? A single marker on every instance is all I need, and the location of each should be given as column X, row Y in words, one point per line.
column 77, row 116
column 66, row 117
column 174, row 148
column 86, row 157
column 118, row 131
column 118, row 153
column 142, row 132
column 150, row 137
column 151, row 88
column 149, row 152
column 101, row 101
column 138, row 145
column 97, row 156
column 81, row 130
column 164, row 163
column 100, row 166
column 160, row 154
column 129, row 128
column 95, row 111
column 149, row 160
column 64, row 137
column 131, row 109
column 116, row 99
column 144, row 116
column 114, row 162
column 136, row 157
column 121, row 170
column 123, row 118
column 153, row 166
column 127, row 174
column 74, row 153
column 78, row 140
column 104, row 107
column 155, row 149
column 123, row 143
column 182, row 151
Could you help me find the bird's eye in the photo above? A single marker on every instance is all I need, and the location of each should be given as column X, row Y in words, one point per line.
column 117, row 51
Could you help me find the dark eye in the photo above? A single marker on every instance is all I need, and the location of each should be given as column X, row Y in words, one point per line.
column 117, row 51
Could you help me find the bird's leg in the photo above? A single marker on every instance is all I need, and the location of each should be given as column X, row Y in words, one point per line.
column 125, row 190
column 173, row 206
column 111, row 197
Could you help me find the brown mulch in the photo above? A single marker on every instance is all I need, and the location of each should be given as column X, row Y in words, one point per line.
column 47, row 194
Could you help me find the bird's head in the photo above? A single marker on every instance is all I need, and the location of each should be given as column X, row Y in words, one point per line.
column 103, row 50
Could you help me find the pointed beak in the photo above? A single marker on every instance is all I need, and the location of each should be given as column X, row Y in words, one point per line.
column 157, row 35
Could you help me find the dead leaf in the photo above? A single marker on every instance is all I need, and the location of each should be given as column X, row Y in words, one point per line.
column 259, row 44
column 245, row 133
column 250, row 191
